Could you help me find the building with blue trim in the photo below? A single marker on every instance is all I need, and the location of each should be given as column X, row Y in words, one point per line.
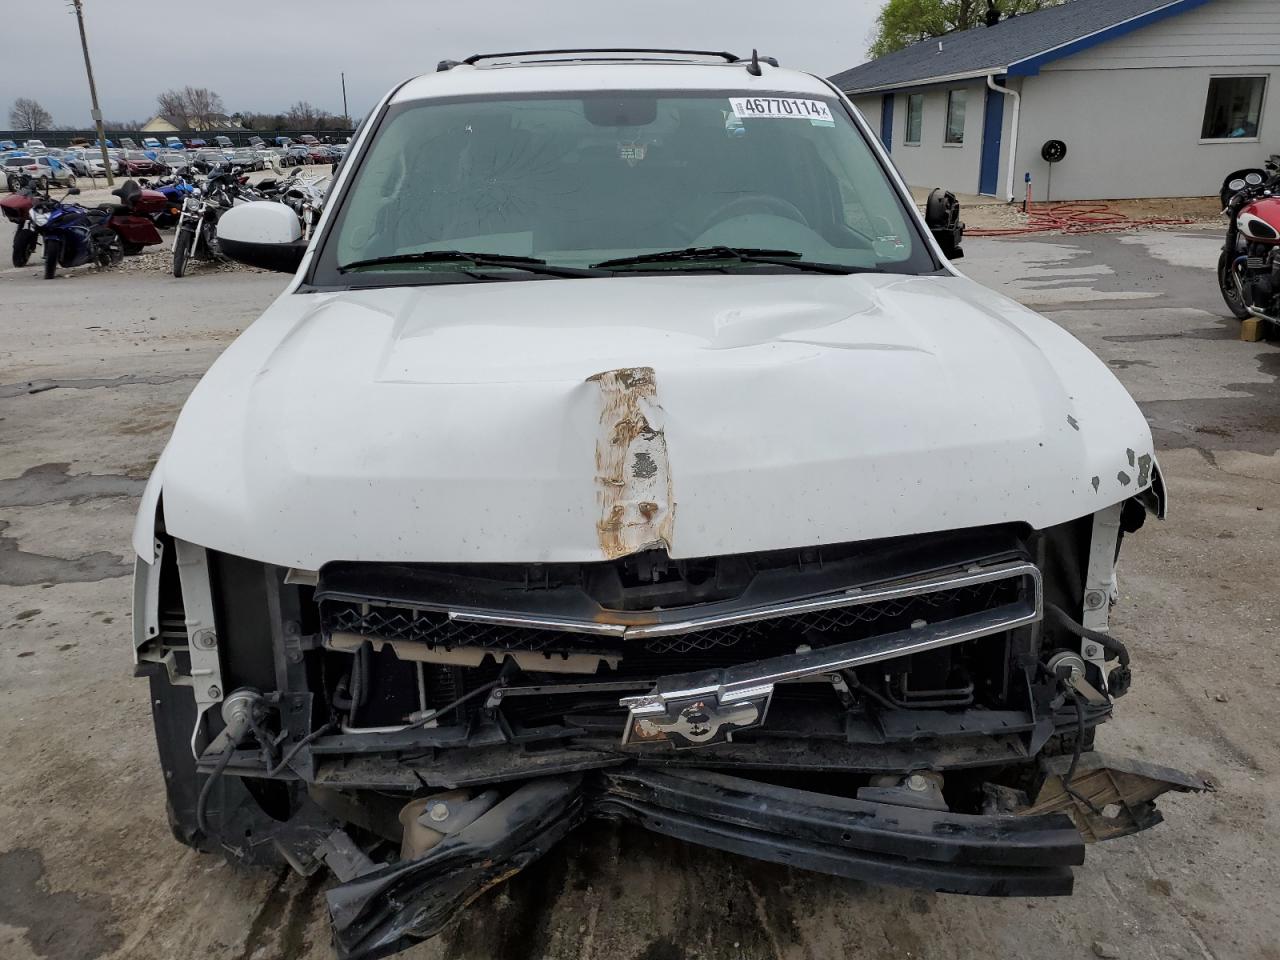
column 1151, row 98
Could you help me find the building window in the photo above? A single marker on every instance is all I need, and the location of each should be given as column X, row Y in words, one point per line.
column 1234, row 108
column 915, row 117
column 955, row 116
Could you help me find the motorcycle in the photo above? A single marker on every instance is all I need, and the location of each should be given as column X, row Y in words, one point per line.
column 175, row 190
column 132, row 217
column 305, row 196
column 73, row 235
column 1249, row 267
column 197, row 235
column 16, row 208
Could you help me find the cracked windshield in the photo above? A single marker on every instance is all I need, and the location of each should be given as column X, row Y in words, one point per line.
column 668, row 182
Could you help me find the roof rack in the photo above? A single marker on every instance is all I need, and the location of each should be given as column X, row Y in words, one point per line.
column 631, row 53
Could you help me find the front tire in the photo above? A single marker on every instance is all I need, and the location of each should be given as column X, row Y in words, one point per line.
column 52, row 250
column 24, row 244
column 182, row 251
column 1230, row 290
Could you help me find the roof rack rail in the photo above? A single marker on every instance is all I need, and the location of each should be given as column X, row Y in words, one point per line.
column 638, row 53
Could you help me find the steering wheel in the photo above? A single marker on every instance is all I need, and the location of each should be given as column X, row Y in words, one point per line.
column 755, row 203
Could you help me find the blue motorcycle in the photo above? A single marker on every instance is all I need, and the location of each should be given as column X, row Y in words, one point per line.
column 176, row 189
column 74, row 235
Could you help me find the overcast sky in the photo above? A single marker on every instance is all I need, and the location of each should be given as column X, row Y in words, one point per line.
column 263, row 55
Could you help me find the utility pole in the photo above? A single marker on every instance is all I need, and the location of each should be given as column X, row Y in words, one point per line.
column 344, row 96
column 93, row 94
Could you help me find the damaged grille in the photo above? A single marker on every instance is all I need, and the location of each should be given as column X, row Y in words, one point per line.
column 778, row 634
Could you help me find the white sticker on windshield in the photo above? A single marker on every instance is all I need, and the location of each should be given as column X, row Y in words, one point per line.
column 786, row 108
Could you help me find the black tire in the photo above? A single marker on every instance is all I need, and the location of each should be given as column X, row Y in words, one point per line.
column 131, row 249
column 182, row 250
column 24, row 244
column 1230, row 292
column 52, row 250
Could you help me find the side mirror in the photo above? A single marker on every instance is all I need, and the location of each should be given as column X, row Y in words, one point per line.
column 942, row 217
column 262, row 234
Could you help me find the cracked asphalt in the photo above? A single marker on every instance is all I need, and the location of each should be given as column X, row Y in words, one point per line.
column 93, row 370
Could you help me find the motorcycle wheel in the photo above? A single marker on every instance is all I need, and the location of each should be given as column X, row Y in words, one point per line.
column 1231, row 292
column 182, row 250
column 52, row 250
column 24, row 244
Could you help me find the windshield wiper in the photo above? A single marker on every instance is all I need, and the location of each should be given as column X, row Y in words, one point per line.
column 781, row 258
column 531, row 264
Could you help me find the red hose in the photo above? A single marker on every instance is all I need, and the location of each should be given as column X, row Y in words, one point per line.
column 1074, row 218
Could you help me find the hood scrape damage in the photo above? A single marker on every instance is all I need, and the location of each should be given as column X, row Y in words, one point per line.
column 632, row 470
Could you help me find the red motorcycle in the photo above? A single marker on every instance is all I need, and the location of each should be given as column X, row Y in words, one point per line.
column 131, row 218
column 16, row 208
column 1249, row 268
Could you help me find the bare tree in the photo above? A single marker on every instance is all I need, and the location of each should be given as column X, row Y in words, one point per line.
column 191, row 108
column 27, row 114
column 204, row 107
column 302, row 115
column 170, row 104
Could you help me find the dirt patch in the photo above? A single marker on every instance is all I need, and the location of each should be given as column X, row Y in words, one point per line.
column 58, row 925
column 21, row 569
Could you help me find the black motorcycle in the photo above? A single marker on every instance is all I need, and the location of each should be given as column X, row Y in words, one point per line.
column 197, row 236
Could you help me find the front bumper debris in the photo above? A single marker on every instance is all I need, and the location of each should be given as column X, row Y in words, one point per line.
column 1028, row 852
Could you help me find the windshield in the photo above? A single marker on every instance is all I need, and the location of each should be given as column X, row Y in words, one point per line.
column 579, row 180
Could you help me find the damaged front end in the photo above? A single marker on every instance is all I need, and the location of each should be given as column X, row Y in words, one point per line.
column 918, row 711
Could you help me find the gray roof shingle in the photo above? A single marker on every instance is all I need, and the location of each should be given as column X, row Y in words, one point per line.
column 994, row 48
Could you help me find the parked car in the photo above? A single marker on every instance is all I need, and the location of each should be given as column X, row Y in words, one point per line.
column 151, row 143
column 6, row 145
column 88, row 163
column 308, row 139
column 733, row 510
column 136, row 163
column 128, row 144
column 34, row 145
column 298, row 154
column 224, row 142
column 214, row 158
column 43, row 170
column 195, row 143
column 175, row 159
column 174, row 143
column 246, row 158
column 284, row 142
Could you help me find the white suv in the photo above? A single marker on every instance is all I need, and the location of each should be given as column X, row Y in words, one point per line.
column 625, row 445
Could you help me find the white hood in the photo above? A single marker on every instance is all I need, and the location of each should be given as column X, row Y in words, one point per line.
column 471, row 422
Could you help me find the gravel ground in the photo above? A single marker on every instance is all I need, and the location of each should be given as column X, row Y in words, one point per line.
column 93, row 369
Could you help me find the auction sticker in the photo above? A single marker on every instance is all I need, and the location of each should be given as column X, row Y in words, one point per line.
column 746, row 108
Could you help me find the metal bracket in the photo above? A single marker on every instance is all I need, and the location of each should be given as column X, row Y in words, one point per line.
column 1100, row 584
column 146, row 599
column 202, row 635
